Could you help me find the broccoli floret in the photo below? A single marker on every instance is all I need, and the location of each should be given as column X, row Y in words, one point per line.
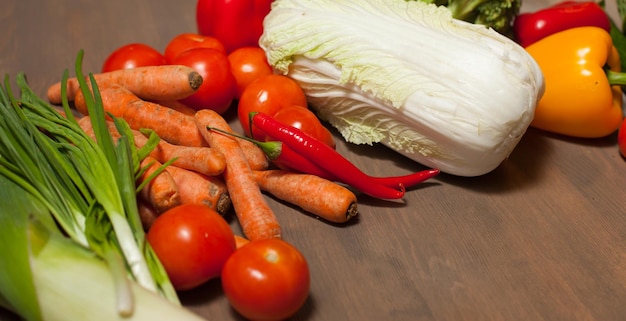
column 497, row 14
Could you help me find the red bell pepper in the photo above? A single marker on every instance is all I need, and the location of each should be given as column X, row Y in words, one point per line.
column 236, row 23
column 528, row 28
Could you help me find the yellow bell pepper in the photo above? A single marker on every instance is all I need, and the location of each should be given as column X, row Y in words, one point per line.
column 580, row 99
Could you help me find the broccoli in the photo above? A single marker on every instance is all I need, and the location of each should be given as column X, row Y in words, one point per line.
column 497, row 14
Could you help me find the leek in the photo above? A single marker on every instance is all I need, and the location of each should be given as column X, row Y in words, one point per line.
column 46, row 276
column 87, row 190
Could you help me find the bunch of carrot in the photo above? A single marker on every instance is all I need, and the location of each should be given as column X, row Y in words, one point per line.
column 204, row 166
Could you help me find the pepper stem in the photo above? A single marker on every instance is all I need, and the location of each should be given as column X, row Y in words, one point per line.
column 616, row 78
column 272, row 149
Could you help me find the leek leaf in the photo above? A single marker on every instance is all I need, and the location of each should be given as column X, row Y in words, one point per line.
column 16, row 281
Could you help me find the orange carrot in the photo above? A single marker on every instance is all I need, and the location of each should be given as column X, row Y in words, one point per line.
column 255, row 216
column 79, row 102
column 177, row 106
column 254, row 155
column 316, row 195
column 147, row 214
column 240, row 241
column 195, row 188
column 167, row 82
column 85, row 124
column 162, row 191
column 172, row 126
column 204, row 160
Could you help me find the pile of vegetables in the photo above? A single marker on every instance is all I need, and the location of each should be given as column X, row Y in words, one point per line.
column 143, row 171
column 453, row 85
column 189, row 168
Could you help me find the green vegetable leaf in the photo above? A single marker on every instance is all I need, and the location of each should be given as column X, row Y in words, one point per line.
column 16, row 281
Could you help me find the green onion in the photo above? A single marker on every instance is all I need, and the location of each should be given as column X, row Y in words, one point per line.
column 47, row 276
column 87, row 189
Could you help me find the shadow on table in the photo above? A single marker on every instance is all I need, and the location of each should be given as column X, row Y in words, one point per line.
column 200, row 298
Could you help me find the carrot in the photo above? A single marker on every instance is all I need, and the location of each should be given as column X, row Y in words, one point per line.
column 240, row 241
column 172, row 126
column 321, row 197
column 255, row 216
column 195, row 188
column 167, row 82
column 204, row 160
column 177, row 106
column 147, row 214
column 162, row 191
column 254, row 155
column 85, row 124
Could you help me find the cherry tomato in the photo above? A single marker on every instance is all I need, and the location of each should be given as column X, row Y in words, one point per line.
column 266, row 280
column 186, row 41
column 131, row 56
column 193, row 243
column 218, row 87
column 247, row 65
column 305, row 120
column 268, row 94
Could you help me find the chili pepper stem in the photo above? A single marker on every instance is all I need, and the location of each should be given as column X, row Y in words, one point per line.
column 272, row 148
column 616, row 78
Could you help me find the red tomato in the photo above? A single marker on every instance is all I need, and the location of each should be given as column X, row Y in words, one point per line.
column 268, row 95
column 218, row 87
column 131, row 56
column 186, row 41
column 621, row 138
column 193, row 243
column 248, row 64
column 266, row 280
column 305, row 120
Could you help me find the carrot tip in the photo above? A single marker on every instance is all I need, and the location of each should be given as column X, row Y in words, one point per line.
column 195, row 80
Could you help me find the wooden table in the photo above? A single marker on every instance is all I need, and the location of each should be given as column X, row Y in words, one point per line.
column 543, row 237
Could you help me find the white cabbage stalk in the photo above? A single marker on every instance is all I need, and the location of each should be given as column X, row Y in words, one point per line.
column 446, row 93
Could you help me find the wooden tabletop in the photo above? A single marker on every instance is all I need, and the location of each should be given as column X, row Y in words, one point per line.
column 543, row 237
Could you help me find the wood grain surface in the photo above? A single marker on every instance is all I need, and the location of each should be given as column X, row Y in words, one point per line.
column 543, row 237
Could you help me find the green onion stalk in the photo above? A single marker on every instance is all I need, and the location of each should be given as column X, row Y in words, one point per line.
column 83, row 192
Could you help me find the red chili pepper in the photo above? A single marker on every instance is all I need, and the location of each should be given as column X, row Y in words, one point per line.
column 409, row 180
column 236, row 23
column 531, row 27
column 330, row 161
column 288, row 159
